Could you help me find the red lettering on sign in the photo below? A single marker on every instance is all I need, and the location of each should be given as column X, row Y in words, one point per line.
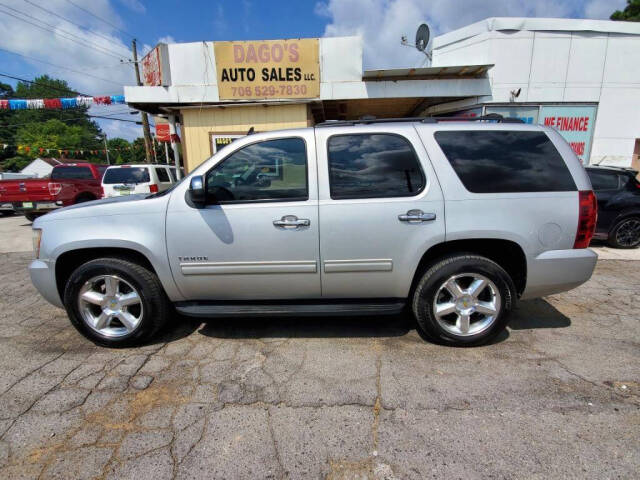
column 294, row 55
column 578, row 147
column 238, row 53
column 570, row 124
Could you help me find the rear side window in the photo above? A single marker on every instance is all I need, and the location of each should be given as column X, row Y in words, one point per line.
column 126, row 175
column 505, row 161
column 373, row 166
column 603, row 180
column 71, row 173
column 163, row 176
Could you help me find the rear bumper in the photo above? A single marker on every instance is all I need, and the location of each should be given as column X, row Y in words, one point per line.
column 36, row 207
column 43, row 277
column 557, row 271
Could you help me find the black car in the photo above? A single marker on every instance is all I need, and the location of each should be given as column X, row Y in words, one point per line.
column 618, row 194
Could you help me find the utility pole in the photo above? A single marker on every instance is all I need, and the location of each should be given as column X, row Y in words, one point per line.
column 155, row 155
column 145, row 118
column 106, row 149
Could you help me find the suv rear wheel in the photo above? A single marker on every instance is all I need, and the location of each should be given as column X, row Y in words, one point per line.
column 115, row 302
column 463, row 300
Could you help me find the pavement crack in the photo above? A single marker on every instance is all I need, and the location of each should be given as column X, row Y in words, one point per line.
column 275, row 444
column 377, row 405
column 25, row 376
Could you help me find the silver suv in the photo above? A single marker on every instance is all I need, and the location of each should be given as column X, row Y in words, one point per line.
column 451, row 220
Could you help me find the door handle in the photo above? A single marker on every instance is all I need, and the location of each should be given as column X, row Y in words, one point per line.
column 291, row 222
column 416, row 216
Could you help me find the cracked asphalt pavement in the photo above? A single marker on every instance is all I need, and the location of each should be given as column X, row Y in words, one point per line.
column 557, row 396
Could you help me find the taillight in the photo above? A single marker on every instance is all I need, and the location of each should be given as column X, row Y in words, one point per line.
column 153, row 188
column 54, row 188
column 587, row 216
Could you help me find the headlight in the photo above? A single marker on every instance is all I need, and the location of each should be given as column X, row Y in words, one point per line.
column 37, row 236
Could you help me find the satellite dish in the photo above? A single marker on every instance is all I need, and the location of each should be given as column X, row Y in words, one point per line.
column 422, row 37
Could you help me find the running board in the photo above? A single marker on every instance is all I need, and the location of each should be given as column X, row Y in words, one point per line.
column 253, row 309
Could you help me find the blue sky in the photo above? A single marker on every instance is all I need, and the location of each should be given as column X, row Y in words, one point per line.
column 89, row 58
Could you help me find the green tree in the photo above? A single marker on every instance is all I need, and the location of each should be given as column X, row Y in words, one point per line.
column 21, row 126
column 52, row 134
column 631, row 12
column 119, row 151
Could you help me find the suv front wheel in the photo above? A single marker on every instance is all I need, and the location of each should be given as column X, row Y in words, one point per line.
column 463, row 300
column 115, row 302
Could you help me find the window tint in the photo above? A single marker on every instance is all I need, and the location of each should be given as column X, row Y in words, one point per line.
column 163, row 176
column 101, row 170
column 71, row 173
column 172, row 171
column 603, row 180
column 126, row 175
column 270, row 170
column 505, row 161
column 372, row 166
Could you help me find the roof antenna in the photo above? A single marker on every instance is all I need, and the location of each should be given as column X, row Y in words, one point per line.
column 251, row 131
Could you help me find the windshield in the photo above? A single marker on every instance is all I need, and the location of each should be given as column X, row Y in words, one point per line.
column 126, row 175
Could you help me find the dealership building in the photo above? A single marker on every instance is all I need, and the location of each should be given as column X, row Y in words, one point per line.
column 581, row 77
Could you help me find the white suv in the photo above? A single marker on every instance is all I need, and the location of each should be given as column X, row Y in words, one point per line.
column 131, row 179
column 451, row 220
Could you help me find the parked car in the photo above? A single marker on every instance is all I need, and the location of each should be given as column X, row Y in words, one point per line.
column 69, row 184
column 618, row 194
column 132, row 179
column 454, row 220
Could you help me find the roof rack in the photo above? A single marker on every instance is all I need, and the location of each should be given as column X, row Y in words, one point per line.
column 368, row 119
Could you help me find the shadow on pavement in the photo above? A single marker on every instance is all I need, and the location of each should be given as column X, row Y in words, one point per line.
column 529, row 314
column 538, row 313
column 309, row 327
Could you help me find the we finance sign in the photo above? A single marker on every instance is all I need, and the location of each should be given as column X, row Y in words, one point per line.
column 268, row 69
column 574, row 122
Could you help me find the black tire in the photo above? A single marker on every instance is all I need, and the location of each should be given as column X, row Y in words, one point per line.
column 616, row 240
column 31, row 216
column 84, row 198
column 155, row 305
column 6, row 213
column 434, row 278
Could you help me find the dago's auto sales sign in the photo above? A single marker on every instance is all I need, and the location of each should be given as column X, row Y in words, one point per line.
column 268, row 69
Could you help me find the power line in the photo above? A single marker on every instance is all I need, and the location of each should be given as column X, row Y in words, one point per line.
column 59, row 66
column 100, row 18
column 57, row 32
column 106, row 117
column 68, row 21
column 67, row 90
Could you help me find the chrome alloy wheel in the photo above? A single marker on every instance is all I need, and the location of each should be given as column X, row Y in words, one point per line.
column 628, row 234
column 467, row 304
column 110, row 305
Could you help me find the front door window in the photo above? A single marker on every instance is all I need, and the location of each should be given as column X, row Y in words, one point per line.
column 273, row 170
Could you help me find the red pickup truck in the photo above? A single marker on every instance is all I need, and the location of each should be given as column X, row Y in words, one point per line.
column 68, row 184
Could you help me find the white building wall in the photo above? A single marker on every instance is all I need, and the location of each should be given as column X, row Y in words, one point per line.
column 559, row 67
column 38, row 167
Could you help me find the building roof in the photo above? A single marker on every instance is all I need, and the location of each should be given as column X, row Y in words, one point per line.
column 536, row 24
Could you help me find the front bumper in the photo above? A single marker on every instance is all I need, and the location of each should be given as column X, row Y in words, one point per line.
column 43, row 277
column 557, row 271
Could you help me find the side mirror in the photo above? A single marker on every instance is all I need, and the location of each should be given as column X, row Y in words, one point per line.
column 197, row 191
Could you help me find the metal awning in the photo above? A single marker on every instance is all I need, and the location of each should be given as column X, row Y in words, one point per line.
column 427, row 73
